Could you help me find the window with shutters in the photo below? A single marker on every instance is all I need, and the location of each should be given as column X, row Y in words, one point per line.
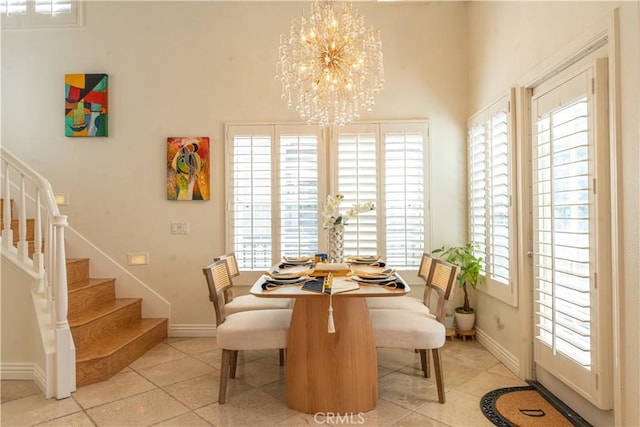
column 40, row 13
column 385, row 163
column 276, row 189
column 273, row 192
column 491, row 180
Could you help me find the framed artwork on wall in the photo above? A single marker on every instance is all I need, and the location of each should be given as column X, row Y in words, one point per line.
column 188, row 168
column 86, row 106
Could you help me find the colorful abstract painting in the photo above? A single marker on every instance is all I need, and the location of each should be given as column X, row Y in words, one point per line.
column 86, row 104
column 188, row 168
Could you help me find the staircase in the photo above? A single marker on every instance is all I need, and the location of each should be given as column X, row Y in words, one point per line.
column 109, row 333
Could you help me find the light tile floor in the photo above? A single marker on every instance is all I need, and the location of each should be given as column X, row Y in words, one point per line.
column 176, row 384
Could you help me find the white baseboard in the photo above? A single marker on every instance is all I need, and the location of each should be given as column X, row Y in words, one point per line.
column 23, row 371
column 17, row 371
column 507, row 358
column 192, row 330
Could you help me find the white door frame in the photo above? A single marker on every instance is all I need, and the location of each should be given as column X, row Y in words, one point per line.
column 604, row 34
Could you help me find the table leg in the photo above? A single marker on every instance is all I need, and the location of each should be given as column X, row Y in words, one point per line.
column 326, row 372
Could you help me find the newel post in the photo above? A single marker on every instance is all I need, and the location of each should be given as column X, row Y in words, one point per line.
column 65, row 348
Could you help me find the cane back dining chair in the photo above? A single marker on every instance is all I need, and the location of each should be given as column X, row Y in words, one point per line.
column 245, row 330
column 408, row 302
column 235, row 304
column 394, row 328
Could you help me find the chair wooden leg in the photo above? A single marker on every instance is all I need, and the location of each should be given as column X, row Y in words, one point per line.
column 224, row 374
column 437, row 366
column 234, row 363
column 424, row 362
column 281, row 357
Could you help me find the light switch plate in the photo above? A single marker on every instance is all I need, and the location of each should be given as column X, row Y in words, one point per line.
column 179, row 227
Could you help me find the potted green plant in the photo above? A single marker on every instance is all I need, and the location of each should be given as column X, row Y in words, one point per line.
column 470, row 266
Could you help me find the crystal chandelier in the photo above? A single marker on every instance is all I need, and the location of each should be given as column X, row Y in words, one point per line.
column 330, row 65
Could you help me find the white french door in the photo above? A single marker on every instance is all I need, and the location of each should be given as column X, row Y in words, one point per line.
column 571, row 231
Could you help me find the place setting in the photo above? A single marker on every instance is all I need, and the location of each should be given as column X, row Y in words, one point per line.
column 274, row 279
column 374, row 260
column 378, row 276
column 297, row 261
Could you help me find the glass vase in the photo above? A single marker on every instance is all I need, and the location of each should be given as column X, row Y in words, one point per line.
column 336, row 243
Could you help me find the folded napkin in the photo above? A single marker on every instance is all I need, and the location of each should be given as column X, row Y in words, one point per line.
column 316, row 285
column 279, row 275
column 371, row 273
column 393, row 282
column 271, row 283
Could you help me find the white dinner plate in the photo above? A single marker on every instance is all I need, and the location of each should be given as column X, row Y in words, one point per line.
column 363, row 259
column 285, row 276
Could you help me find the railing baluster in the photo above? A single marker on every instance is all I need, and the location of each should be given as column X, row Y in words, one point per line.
column 7, row 232
column 23, row 245
column 38, row 262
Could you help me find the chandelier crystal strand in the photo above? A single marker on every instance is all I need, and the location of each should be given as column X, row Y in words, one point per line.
column 330, row 65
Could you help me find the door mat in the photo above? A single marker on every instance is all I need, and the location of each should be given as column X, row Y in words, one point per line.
column 528, row 406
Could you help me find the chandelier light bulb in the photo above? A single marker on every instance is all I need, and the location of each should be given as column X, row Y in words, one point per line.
column 331, row 65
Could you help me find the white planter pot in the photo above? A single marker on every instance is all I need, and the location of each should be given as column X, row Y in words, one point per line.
column 465, row 321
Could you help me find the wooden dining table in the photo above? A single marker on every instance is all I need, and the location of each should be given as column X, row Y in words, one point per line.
column 331, row 372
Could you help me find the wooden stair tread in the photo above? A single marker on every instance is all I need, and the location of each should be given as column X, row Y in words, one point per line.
column 112, row 343
column 97, row 311
column 87, row 283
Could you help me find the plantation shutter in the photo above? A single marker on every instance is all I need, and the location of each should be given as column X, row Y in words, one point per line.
column 251, row 203
column 491, row 179
column 404, row 192
column 499, row 201
column 298, row 194
column 357, row 181
column 40, row 13
column 477, row 189
column 13, row 7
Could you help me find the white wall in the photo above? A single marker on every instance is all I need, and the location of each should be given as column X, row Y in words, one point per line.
column 184, row 69
column 21, row 349
column 509, row 39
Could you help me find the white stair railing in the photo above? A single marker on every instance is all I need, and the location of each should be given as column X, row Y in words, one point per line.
column 31, row 195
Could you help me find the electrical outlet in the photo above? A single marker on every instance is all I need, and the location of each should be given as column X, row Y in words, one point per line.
column 179, row 227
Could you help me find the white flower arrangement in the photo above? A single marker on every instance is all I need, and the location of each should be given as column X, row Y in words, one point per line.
column 332, row 215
